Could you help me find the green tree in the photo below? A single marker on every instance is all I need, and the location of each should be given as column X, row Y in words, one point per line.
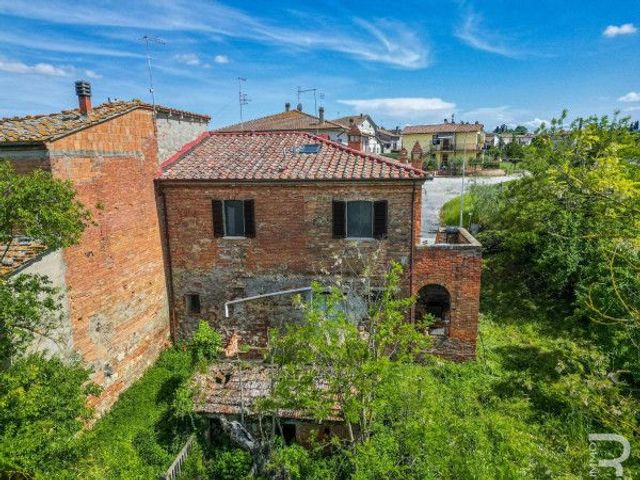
column 334, row 367
column 45, row 210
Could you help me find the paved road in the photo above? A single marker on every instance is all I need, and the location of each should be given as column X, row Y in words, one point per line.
column 439, row 191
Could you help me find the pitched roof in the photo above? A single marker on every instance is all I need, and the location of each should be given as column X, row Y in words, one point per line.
column 346, row 121
column 293, row 120
column 48, row 127
column 253, row 156
column 444, row 128
column 20, row 252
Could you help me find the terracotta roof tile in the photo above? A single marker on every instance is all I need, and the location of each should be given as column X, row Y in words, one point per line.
column 292, row 120
column 277, row 156
column 444, row 128
column 21, row 251
column 48, row 127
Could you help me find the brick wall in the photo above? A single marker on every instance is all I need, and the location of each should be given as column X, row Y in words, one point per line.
column 115, row 276
column 456, row 267
column 293, row 246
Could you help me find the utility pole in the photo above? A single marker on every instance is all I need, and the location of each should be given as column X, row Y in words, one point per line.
column 243, row 99
column 462, row 197
column 147, row 40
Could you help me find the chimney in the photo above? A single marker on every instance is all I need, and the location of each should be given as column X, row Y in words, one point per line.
column 299, row 107
column 354, row 137
column 416, row 156
column 287, row 107
column 83, row 91
column 321, row 114
column 404, row 155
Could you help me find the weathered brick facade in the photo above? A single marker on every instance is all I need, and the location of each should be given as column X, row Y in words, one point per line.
column 116, row 291
column 294, row 245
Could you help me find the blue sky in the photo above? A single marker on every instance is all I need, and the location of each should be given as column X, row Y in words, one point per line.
column 402, row 62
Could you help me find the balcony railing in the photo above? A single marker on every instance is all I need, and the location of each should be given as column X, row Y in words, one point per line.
column 455, row 147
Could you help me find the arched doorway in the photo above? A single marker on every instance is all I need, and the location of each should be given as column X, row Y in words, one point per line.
column 434, row 299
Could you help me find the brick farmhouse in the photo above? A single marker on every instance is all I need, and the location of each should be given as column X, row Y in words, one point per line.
column 247, row 214
column 113, row 281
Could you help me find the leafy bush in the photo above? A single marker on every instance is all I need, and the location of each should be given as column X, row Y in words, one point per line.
column 205, row 344
column 229, row 464
column 42, row 409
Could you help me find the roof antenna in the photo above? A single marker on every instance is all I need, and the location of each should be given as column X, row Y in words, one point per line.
column 315, row 97
column 147, row 40
column 243, row 99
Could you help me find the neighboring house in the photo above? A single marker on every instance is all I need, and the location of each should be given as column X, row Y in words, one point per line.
column 368, row 130
column 248, row 215
column 445, row 141
column 293, row 121
column 113, row 282
column 491, row 140
column 390, row 140
column 507, row 138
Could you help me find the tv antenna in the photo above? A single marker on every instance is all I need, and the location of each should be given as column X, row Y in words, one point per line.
column 148, row 39
column 243, row 99
column 315, row 95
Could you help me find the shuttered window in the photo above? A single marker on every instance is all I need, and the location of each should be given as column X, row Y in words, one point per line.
column 360, row 219
column 234, row 218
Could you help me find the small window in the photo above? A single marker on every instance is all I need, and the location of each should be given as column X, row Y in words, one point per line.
column 359, row 219
column 192, row 302
column 233, row 218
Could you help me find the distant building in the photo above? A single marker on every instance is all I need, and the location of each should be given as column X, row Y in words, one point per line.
column 522, row 139
column 113, row 282
column 445, row 141
column 391, row 140
column 293, row 121
column 368, row 130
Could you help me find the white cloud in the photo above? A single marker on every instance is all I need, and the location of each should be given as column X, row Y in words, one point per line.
column 472, row 32
column 221, row 59
column 615, row 30
column 630, row 97
column 37, row 69
column 188, row 59
column 392, row 43
column 535, row 123
column 402, row 107
column 92, row 74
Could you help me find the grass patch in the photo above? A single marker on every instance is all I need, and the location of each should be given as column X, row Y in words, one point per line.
column 139, row 437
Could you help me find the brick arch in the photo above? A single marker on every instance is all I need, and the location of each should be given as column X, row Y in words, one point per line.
column 434, row 299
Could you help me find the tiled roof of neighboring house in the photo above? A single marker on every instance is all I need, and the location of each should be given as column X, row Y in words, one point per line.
column 292, row 120
column 48, row 127
column 390, row 133
column 444, row 128
column 256, row 156
column 229, row 388
column 20, row 252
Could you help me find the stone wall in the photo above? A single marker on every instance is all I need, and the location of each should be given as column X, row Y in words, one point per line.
column 115, row 275
column 174, row 130
column 51, row 265
column 292, row 247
